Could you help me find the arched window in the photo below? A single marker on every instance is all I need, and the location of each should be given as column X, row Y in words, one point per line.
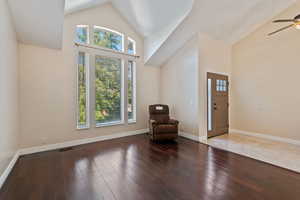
column 107, row 38
column 106, row 77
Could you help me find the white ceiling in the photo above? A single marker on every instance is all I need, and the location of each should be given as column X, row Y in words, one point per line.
column 226, row 20
column 231, row 20
column 146, row 16
column 75, row 5
column 41, row 22
column 38, row 22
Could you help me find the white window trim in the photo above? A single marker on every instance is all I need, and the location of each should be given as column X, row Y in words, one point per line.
column 114, row 123
column 87, row 82
column 110, row 53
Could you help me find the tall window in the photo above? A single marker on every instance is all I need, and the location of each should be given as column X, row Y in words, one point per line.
column 108, row 85
column 106, row 105
column 131, row 92
column 82, row 91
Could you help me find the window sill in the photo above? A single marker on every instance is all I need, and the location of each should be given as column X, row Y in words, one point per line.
column 109, row 124
column 131, row 121
column 79, row 128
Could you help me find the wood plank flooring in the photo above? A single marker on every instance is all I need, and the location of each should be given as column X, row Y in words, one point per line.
column 133, row 168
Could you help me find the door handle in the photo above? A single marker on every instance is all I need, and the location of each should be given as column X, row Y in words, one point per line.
column 215, row 106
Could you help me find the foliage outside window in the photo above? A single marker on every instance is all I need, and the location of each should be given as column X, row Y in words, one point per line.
column 108, row 77
column 108, row 38
column 82, row 98
column 131, row 92
column 107, row 80
column 82, row 34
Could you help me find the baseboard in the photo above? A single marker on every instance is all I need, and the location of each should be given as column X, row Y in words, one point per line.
column 50, row 147
column 8, row 169
column 189, row 136
column 265, row 136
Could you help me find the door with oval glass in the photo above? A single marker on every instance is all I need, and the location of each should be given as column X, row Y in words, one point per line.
column 217, row 104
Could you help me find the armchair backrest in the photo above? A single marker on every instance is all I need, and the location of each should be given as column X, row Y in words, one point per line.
column 159, row 112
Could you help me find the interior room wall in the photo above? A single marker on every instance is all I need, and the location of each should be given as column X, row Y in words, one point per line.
column 214, row 56
column 183, row 80
column 265, row 80
column 179, row 88
column 9, row 112
column 48, row 84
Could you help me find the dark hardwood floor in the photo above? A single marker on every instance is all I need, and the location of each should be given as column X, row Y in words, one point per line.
column 133, row 168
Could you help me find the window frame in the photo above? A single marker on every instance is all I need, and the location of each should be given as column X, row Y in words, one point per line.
column 87, row 83
column 88, row 34
column 93, row 97
column 109, row 53
column 129, row 39
column 131, row 121
column 92, row 33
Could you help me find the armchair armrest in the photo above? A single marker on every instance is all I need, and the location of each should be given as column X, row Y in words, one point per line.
column 153, row 122
column 173, row 121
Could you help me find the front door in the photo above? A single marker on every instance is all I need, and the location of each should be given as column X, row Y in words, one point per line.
column 217, row 104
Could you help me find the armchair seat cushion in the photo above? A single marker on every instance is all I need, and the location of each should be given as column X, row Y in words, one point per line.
column 165, row 128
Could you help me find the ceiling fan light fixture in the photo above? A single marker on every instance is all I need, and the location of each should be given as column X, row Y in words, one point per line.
column 297, row 26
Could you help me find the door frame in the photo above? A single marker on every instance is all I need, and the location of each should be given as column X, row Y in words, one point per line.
column 208, row 74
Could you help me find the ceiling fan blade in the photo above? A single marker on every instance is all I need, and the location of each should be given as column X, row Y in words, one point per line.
column 284, row 20
column 286, row 27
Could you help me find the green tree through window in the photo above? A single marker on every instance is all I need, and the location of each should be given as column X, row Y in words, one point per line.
column 108, row 39
column 82, row 34
column 107, row 79
column 82, row 91
column 130, row 91
column 108, row 75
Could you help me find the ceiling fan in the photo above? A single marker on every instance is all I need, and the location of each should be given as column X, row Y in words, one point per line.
column 295, row 23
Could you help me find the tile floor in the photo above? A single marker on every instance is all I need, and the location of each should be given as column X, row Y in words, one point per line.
column 277, row 153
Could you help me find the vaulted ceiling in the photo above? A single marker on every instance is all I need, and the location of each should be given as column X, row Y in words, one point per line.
column 39, row 22
column 146, row 16
column 165, row 23
column 226, row 20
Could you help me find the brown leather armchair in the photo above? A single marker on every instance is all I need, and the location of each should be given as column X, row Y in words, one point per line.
column 160, row 124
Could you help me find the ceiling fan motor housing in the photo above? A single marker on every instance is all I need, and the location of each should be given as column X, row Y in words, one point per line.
column 297, row 18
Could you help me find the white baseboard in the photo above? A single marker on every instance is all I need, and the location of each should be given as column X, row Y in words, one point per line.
column 265, row 136
column 50, row 147
column 79, row 142
column 8, row 169
column 192, row 137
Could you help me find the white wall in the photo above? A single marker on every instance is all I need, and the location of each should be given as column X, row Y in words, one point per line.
column 265, row 81
column 184, row 81
column 48, row 84
column 154, row 40
column 214, row 56
column 9, row 112
column 179, row 86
